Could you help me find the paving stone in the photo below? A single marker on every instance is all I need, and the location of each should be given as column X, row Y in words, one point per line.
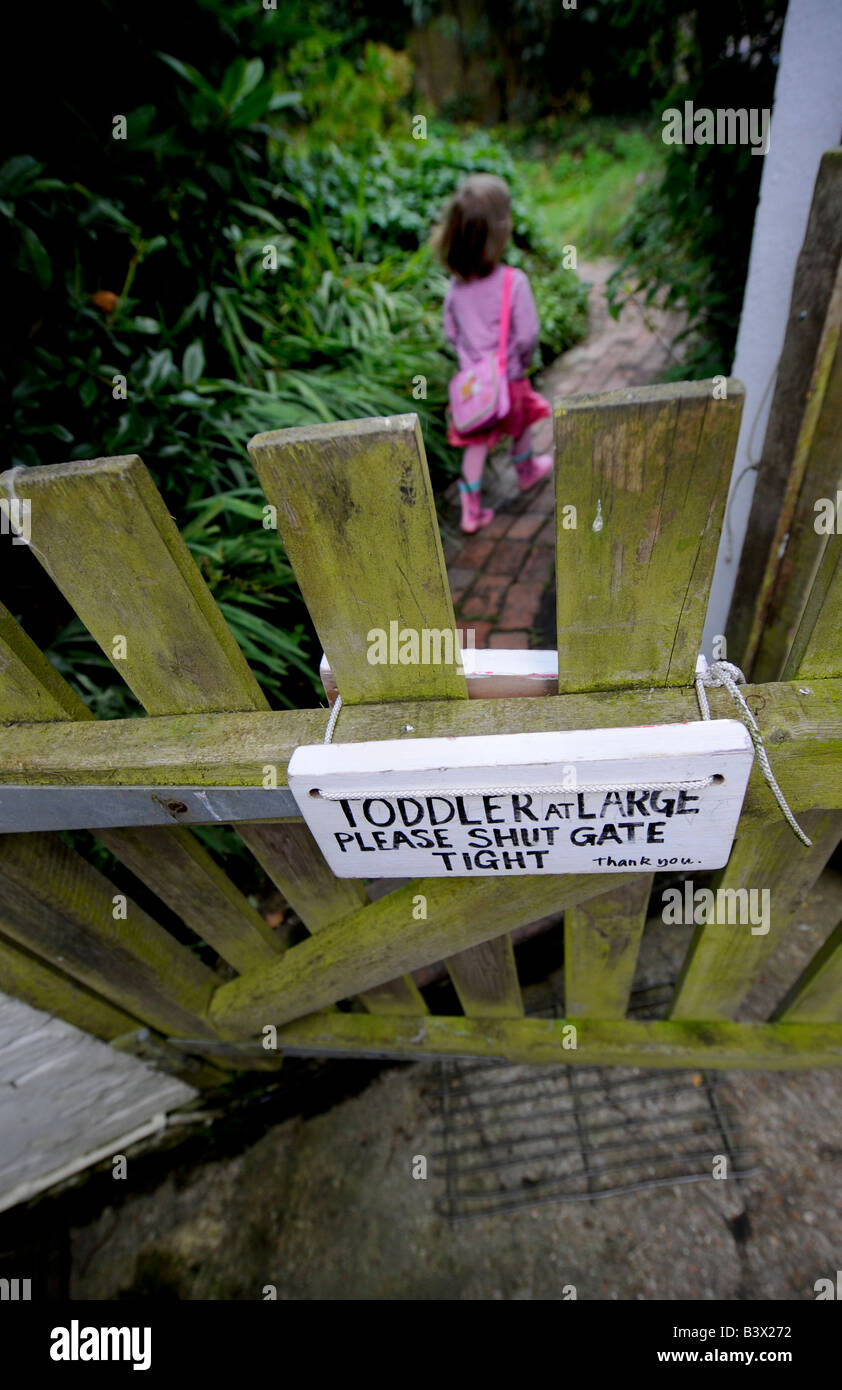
column 521, row 607
column 507, row 557
column 478, row 606
column 475, row 552
column 498, row 527
column 515, row 640
column 506, row 564
column 480, row 631
column 461, row 577
column 525, row 526
column 492, row 587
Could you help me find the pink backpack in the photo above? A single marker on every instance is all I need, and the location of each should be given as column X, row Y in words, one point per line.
column 479, row 394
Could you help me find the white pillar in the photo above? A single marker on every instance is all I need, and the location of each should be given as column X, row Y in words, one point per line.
column 806, row 121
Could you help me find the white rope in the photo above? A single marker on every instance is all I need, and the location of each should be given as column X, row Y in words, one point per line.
column 334, row 715
column 723, row 673
column 378, row 792
column 718, row 673
column 515, row 791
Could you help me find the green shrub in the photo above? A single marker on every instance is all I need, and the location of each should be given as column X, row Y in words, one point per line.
column 687, row 240
column 235, row 269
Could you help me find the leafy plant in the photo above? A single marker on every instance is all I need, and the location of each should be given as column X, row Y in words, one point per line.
column 253, row 256
column 688, row 238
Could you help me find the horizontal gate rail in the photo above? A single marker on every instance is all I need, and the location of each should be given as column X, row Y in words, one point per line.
column 603, row 1042
column 647, row 473
column 801, row 725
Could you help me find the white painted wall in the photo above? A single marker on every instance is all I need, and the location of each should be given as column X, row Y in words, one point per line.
column 806, row 121
column 68, row 1100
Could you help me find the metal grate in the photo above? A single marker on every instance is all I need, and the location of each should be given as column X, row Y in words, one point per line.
column 517, row 1136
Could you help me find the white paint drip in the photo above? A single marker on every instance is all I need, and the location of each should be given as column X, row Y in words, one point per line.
column 597, row 521
column 203, row 797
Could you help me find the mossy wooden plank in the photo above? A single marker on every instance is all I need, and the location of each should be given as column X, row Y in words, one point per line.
column 356, row 514
column 171, row 862
column 802, row 726
column 601, row 943
column 816, row 996
column 647, row 471
column 206, row 1074
column 30, row 686
column 485, row 979
column 816, row 651
column 383, row 940
column 399, row 996
column 128, row 572
column 59, row 907
column 725, row 957
column 798, row 546
column 183, row 874
column 104, row 535
column 357, row 517
column 600, row 1042
column 25, row 976
column 290, row 854
column 799, row 462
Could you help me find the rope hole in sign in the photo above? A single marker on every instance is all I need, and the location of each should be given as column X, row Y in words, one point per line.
column 718, row 673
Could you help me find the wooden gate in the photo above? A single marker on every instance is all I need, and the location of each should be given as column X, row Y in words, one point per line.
column 641, row 480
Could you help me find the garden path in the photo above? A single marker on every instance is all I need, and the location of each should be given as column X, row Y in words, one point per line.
column 498, row 576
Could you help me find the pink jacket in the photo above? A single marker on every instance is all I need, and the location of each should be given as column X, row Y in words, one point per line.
column 472, row 320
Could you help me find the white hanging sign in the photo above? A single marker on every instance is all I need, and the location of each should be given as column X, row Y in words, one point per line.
column 594, row 801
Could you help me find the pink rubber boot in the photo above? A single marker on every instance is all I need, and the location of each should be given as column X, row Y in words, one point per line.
column 474, row 515
column 532, row 470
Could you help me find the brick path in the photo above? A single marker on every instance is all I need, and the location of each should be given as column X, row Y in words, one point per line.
column 497, row 577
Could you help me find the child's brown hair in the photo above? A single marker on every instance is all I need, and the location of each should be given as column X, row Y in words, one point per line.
column 476, row 227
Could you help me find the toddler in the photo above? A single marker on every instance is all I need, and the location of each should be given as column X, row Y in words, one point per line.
column 470, row 240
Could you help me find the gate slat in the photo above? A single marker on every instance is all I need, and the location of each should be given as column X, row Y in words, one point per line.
column 801, row 452
column 804, row 732
column 358, row 521
column 485, row 979
column 817, row 648
column 56, row 905
column 319, row 898
column 648, row 472
column 170, row 861
column 182, row 873
column 111, row 546
column 311, row 889
column 816, row 996
column 25, row 976
column 724, row 959
column 31, row 689
column 102, row 531
column 383, row 940
column 601, row 943
column 542, row 1041
column 357, row 517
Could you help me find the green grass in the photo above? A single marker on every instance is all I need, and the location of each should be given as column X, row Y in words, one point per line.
column 581, row 186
